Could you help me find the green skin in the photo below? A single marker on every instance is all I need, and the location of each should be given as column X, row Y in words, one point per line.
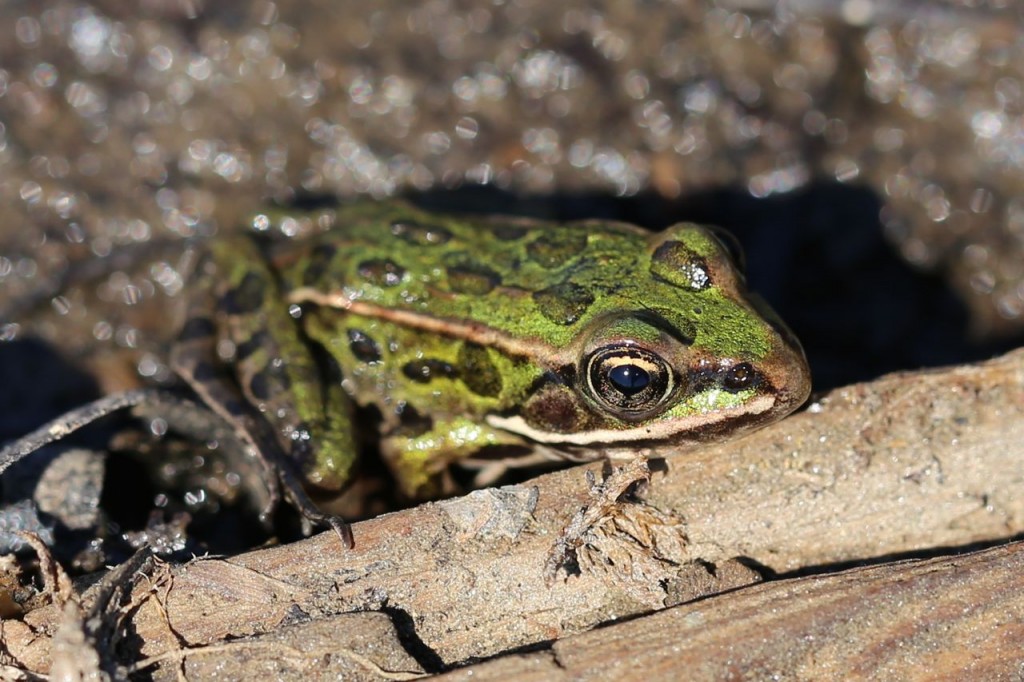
column 470, row 334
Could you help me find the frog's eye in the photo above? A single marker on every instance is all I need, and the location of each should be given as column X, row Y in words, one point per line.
column 630, row 381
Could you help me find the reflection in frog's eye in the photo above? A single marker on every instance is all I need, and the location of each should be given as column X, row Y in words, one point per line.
column 628, row 380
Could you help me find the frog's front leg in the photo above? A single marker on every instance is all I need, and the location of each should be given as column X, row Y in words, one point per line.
column 420, row 460
column 244, row 355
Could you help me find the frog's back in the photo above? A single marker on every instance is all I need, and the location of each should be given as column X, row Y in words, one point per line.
column 522, row 277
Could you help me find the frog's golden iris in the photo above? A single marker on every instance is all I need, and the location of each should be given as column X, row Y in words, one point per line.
column 629, row 381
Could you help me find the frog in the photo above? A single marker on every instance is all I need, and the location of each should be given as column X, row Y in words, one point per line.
column 469, row 340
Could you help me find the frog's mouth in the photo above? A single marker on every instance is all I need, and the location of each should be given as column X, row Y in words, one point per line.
column 694, row 428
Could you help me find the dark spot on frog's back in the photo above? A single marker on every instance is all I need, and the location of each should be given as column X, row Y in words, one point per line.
column 235, row 407
column 508, row 232
column 260, row 383
column 478, row 371
column 684, row 329
column 247, row 297
column 411, row 422
column 551, row 249
column 472, row 279
column 427, row 369
column 382, row 272
column 420, row 234
column 563, row 303
column 675, row 263
column 197, row 328
column 258, row 341
column 204, row 371
column 364, row 348
column 318, row 264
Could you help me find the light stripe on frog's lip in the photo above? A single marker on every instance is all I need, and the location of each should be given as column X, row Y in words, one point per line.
column 680, row 425
column 457, row 329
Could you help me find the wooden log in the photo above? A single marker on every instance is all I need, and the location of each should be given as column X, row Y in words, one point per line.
column 908, row 463
column 959, row 618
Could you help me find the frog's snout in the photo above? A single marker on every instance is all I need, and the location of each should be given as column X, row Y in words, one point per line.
column 787, row 371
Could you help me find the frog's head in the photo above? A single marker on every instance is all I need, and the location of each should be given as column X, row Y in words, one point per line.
column 686, row 354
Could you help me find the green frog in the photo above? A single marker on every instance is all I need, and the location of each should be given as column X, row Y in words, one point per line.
column 469, row 340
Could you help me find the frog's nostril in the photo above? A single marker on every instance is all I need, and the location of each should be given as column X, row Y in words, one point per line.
column 739, row 377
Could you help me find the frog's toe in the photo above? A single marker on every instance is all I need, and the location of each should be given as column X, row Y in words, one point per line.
column 342, row 529
column 311, row 516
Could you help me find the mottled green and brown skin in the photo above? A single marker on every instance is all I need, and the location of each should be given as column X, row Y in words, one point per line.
column 467, row 334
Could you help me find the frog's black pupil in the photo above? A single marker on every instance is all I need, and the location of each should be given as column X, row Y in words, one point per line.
column 629, row 379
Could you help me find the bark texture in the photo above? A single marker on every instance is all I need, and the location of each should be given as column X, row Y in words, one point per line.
column 928, row 463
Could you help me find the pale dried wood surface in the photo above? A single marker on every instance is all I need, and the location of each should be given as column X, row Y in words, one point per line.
column 907, row 463
column 953, row 618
